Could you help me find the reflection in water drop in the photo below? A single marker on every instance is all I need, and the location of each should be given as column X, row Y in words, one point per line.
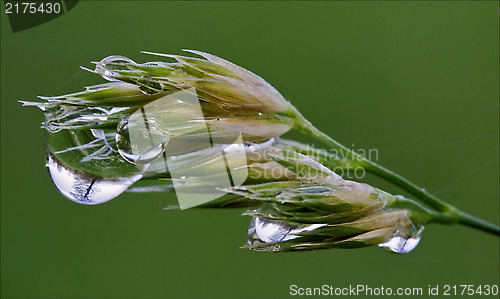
column 139, row 141
column 107, row 66
column 86, row 189
column 149, row 85
column 402, row 242
column 274, row 231
column 274, row 235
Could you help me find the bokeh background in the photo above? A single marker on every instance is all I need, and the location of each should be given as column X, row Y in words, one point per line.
column 418, row 81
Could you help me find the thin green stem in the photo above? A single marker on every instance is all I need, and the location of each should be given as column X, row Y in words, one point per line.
column 446, row 212
column 422, row 213
column 480, row 224
column 407, row 185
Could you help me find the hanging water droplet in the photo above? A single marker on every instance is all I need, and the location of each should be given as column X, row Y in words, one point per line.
column 138, row 139
column 84, row 188
column 402, row 242
column 274, row 231
column 149, row 86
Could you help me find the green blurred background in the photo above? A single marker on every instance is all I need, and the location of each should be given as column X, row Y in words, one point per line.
column 417, row 81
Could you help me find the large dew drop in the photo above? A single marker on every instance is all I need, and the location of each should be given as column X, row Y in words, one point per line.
column 139, row 141
column 402, row 242
column 108, row 66
column 86, row 189
column 274, row 231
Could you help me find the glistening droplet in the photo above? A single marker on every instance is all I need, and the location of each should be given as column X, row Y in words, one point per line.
column 402, row 242
column 108, row 66
column 138, row 139
column 84, row 188
column 149, row 85
column 274, row 231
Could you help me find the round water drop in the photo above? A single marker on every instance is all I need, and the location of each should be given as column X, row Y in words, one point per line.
column 139, row 141
column 274, row 231
column 149, row 86
column 402, row 243
column 108, row 65
column 84, row 188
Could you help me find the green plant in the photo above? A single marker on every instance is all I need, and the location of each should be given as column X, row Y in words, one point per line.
column 307, row 206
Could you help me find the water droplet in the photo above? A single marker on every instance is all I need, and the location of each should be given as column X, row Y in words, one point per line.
column 402, row 242
column 84, row 188
column 274, row 231
column 149, row 86
column 139, row 141
column 107, row 66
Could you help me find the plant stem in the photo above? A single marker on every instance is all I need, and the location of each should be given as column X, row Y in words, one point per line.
column 448, row 213
column 477, row 223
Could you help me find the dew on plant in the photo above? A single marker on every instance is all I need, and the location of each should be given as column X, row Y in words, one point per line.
column 84, row 188
column 210, row 131
column 402, row 242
